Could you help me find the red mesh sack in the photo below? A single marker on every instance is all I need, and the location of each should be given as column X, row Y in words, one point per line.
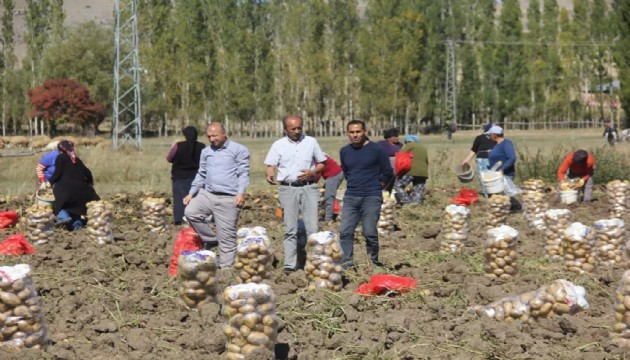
column 465, row 197
column 7, row 219
column 16, row 245
column 402, row 164
column 187, row 239
column 384, row 282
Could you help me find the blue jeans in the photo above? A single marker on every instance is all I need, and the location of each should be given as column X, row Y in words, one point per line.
column 75, row 223
column 366, row 209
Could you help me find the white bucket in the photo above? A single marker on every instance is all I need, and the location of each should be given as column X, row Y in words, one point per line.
column 44, row 197
column 493, row 182
column 569, row 196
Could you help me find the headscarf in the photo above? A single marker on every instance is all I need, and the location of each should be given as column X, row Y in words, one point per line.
column 67, row 147
column 412, row 138
column 190, row 133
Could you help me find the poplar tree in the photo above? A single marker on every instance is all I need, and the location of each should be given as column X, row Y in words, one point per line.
column 8, row 57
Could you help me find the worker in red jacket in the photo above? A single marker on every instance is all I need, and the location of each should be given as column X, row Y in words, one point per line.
column 579, row 165
column 333, row 175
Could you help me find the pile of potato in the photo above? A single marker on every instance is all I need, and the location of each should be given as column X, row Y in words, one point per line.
column 534, row 202
column 558, row 298
column 250, row 319
column 387, row 220
column 498, row 210
column 196, row 271
column 610, row 240
column 579, row 248
column 323, row 261
column 455, row 228
column 253, row 260
column 500, row 252
column 21, row 319
column 556, row 222
column 39, row 223
column 154, row 214
column 622, row 312
column 618, row 192
column 100, row 221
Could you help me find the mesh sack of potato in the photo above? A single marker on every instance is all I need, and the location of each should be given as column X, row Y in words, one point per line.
column 387, row 220
column 558, row 298
column 455, row 227
column 498, row 209
column 501, row 256
column 534, row 202
column 610, row 240
column 250, row 319
column 556, row 222
column 100, row 221
column 196, row 271
column 154, row 214
column 323, row 261
column 253, row 260
column 579, row 248
column 39, row 224
column 618, row 193
column 621, row 328
column 21, row 319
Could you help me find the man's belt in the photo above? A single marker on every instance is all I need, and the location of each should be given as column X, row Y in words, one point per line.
column 220, row 193
column 296, row 183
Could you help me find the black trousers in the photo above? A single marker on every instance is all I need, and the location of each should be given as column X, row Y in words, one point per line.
column 181, row 187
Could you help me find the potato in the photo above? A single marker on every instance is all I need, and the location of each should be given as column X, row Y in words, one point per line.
column 455, row 227
column 618, row 193
column 38, row 222
column 154, row 214
column 10, row 298
column 500, row 242
column 387, row 219
column 193, row 266
column 556, row 222
column 498, row 208
column 100, row 218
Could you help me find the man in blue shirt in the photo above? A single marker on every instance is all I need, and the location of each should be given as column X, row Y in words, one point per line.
column 367, row 170
column 219, row 190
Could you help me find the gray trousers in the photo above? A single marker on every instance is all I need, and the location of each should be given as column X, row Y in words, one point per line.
column 332, row 185
column 296, row 200
column 225, row 213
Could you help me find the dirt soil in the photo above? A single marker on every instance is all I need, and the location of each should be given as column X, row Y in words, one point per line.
column 117, row 301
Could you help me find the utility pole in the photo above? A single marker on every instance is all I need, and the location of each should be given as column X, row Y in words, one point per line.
column 450, row 85
column 127, row 115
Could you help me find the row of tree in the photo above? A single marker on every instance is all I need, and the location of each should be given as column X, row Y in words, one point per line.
column 249, row 62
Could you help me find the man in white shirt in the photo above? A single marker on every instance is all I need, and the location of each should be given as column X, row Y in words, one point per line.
column 297, row 158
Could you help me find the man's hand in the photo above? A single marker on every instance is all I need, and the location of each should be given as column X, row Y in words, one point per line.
column 306, row 175
column 465, row 162
column 270, row 174
column 187, row 199
column 239, row 200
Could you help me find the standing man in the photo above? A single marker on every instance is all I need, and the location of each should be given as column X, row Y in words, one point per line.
column 298, row 159
column 367, row 169
column 219, row 190
column 333, row 175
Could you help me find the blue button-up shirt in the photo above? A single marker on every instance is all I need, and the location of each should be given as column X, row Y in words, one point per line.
column 224, row 169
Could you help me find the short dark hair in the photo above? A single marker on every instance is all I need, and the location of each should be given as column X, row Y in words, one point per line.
column 286, row 117
column 580, row 156
column 389, row 133
column 356, row 122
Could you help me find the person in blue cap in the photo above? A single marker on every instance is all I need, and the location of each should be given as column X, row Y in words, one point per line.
column 481, row 147
column 417, row 175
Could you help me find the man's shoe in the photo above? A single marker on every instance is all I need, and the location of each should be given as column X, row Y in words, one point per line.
column 62, row 222
column 288, row 271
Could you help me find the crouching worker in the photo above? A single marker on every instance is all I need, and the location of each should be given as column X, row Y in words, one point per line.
column 72, row 184
column 579, row 166
column 418, row 174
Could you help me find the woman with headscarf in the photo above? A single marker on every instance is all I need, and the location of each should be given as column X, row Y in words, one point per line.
column 72, row 184
column 417, row 175
column 392, row 145
column 481, row 147
column 184, row 156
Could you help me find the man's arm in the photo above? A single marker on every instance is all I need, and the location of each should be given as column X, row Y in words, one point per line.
column 387, row 173
column 564, row 167
column 271, row 160
column 242, row 171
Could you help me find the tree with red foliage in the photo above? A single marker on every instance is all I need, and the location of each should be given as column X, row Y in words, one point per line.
column 64, row 100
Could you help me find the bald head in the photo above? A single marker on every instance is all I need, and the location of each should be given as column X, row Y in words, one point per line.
column 216, row 134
